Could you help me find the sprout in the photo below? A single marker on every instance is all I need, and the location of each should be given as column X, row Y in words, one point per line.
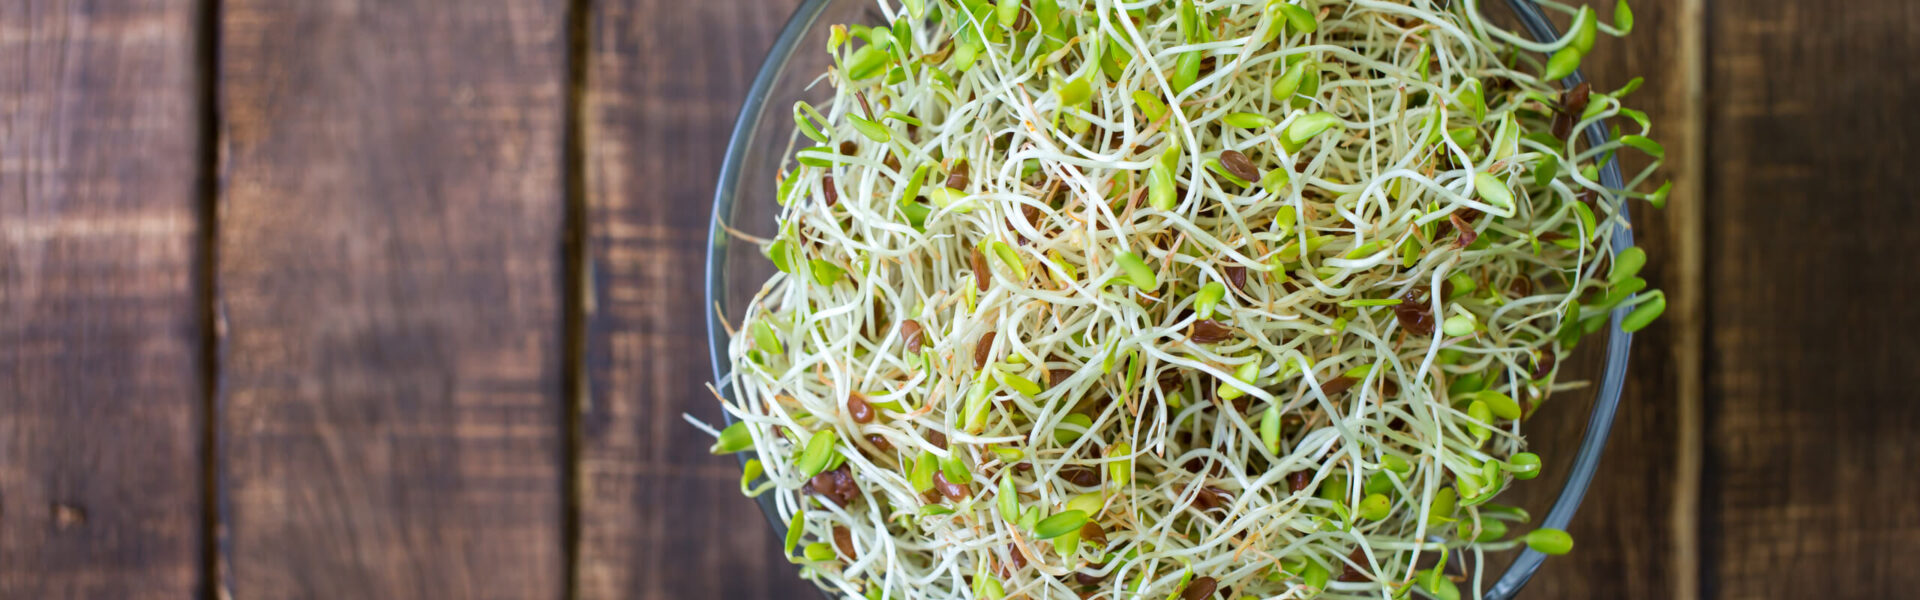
column 818, row 452
column 1289, row 82
column 1549, row 541
column 1120, row 471
column 1136, row 272
column 872, row 131
column 763, row 338
column 1305, row 128
column 1644, row 314
column 796, row 527
column 1493, row 191
column 1499, row 404
column 1375, row 507
column 1525, row 465
column 1060, row 524
column 819, row 552
column 1563, row 63
column 733, row 439
column 1245, row 120
column 1396, row 212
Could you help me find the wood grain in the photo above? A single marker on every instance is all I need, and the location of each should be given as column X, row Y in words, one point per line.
column 101, row 399
column 1810, row 377
column 390, row 260
column 661, row 518
column 388, row 252
column 1634, row 530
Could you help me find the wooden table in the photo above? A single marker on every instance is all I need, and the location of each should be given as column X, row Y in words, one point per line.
column 342, row 299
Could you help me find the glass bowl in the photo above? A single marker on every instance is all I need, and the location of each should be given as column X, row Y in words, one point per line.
column 1569, row 432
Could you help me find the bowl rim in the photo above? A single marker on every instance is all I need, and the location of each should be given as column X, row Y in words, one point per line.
column 1606, row 401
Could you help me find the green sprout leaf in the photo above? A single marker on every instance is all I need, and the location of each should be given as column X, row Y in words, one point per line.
column 1150, row 105
column 810, row 122
column 1289, row 82
column 868, row 61
column 1299, row 19
column 763, row 338
column 923, row 469
column 1009, row 259
column 1644, row 314
column 1060, row 524
column 1474, row 99
column 1026, row 387
column 1525, row 465
column 1137, row 273
column 1120, row 471
column 1207, row 298
column 1587, row 28
column 819, row 552
column 1492, row 190
column 734, row 438
column 795, row 528
column 1375, row 507
column 1549, row 541
column 1009, row 497
column 1644, row 144
column 1185, row 71
column 1501, row 405
column 1305, row 128
column 1247, row 120
column 872, row 131
column 1659, row 197
column 955, row 471
column 818, row 452
column 1626, row 264
column 1065, row 435
column 1563, row 63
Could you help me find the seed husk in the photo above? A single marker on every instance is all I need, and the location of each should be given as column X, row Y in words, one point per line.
column 1239, row 165
column 858, row 409
column 1208, row 332
column 1081, row 475
column 978, row 260
column 1350, row 571
column 951, row 490
column 983, row 351
column 957, row 179
column 843, row 541
column 1201, row 588
column 1091, row 532
column 1236, row 276
column 910, row 334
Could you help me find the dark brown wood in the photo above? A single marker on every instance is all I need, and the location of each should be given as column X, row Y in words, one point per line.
column 390, row 257
column 391, row 298
column 661, row 518
column 101, row 399
column 1814, row 223
column 1633, row 533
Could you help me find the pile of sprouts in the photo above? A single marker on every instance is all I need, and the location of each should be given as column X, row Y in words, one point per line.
column 1194, row 299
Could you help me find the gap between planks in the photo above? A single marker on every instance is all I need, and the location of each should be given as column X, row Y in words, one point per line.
column 1689, row 253
column 575, row 295
column 212, row 586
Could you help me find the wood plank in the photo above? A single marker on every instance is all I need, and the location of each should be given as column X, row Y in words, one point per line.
column 101, row 394
column 1634, row 530
column 663, row 518
column 390, row 259
column 1811, row 373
